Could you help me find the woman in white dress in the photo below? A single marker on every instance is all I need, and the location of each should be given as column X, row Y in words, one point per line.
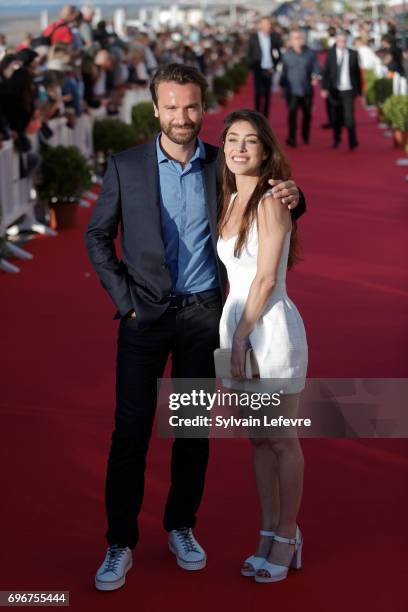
column 257, row 243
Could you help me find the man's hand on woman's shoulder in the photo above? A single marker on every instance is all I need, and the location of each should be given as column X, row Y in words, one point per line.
column 286, row 191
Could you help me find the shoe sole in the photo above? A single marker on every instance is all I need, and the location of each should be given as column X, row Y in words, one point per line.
column 112, row 586
column 192, row 567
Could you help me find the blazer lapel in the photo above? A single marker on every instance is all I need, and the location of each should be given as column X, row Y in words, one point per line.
column 210, row 192
column 151, row 176
column 211, row 202
column 258, row 46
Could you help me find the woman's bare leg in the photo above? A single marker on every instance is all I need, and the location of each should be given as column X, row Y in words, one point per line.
column 265, row 466
column 290, row 461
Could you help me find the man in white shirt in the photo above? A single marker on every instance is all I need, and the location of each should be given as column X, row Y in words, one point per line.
column 263, row 57
column 341, row 83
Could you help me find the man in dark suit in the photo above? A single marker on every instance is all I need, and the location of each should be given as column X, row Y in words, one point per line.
column 341, row 83
column 262, row 58
column 169, row 290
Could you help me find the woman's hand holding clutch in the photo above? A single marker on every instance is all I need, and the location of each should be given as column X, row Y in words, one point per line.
column 238, row 357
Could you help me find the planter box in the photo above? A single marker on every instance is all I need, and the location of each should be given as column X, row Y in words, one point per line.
column 63, row 215
column 400, row 139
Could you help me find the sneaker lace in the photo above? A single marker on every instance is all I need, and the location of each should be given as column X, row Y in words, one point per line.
column 187, row 540
column 115, row 554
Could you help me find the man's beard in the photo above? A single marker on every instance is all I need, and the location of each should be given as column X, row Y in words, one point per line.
column 181, row 137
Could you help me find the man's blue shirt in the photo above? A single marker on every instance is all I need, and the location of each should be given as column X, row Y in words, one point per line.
column 298, row 69
column 186, row 230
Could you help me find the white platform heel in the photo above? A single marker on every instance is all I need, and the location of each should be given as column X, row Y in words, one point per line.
column 253, row 560
column 272, row 572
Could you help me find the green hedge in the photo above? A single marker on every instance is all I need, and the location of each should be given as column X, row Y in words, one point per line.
column 376, row 90
column 210, row 100
column 238, row 75
column 382, row 90
column 113, row 135
column 221, row 87
column 65, row 173
column 396, row 112
column 145, row 124
column 242, row 70
column 369, row 79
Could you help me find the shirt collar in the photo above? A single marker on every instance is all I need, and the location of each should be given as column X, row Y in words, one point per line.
column 198, row 154
column 343, row 52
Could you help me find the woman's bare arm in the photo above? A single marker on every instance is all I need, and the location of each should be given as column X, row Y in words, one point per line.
column 274, row 222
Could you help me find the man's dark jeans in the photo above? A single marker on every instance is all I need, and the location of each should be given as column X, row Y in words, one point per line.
column 343, row 114
column 190, row 334
column 305, row 104
column 263, row 86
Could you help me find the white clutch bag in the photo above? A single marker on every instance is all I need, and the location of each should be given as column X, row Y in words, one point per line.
column 222, row 361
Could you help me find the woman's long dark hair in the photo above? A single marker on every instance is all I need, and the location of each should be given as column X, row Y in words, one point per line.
column 275, row 165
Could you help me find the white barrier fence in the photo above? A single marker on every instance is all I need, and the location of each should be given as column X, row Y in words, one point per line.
column 399, row 85
column 79, row 136
column 16, row 201
column 130, row 99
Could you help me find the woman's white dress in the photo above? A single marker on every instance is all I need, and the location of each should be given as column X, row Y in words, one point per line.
column 278, row 339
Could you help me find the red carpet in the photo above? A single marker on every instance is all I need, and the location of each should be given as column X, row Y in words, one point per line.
column 57, row 392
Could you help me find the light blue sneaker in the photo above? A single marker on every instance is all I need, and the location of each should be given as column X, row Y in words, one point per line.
column 112, row 573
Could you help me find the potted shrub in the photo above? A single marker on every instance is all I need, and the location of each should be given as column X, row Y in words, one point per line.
column 112, row 136
column 234, row 78
column 396, row 115
column 239, row 74
column 369, row 80
column 382, row 91
column 210, row 101
column 65, row 175
column 145, row 124
column 222, row 85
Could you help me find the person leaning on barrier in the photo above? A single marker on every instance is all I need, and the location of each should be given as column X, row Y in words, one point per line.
column 19, row 94
column 8, row 64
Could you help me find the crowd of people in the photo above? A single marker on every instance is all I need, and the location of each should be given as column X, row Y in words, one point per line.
column 291, row 55
column 77, row 64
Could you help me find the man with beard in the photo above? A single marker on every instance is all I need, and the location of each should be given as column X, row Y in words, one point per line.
column 169, row 291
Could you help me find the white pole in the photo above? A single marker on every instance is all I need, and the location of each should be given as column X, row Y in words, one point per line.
column 143, row 15
column 156, row 18
column 119, row 21
column 98, row 15
column 174, row 15
column 44, row 19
